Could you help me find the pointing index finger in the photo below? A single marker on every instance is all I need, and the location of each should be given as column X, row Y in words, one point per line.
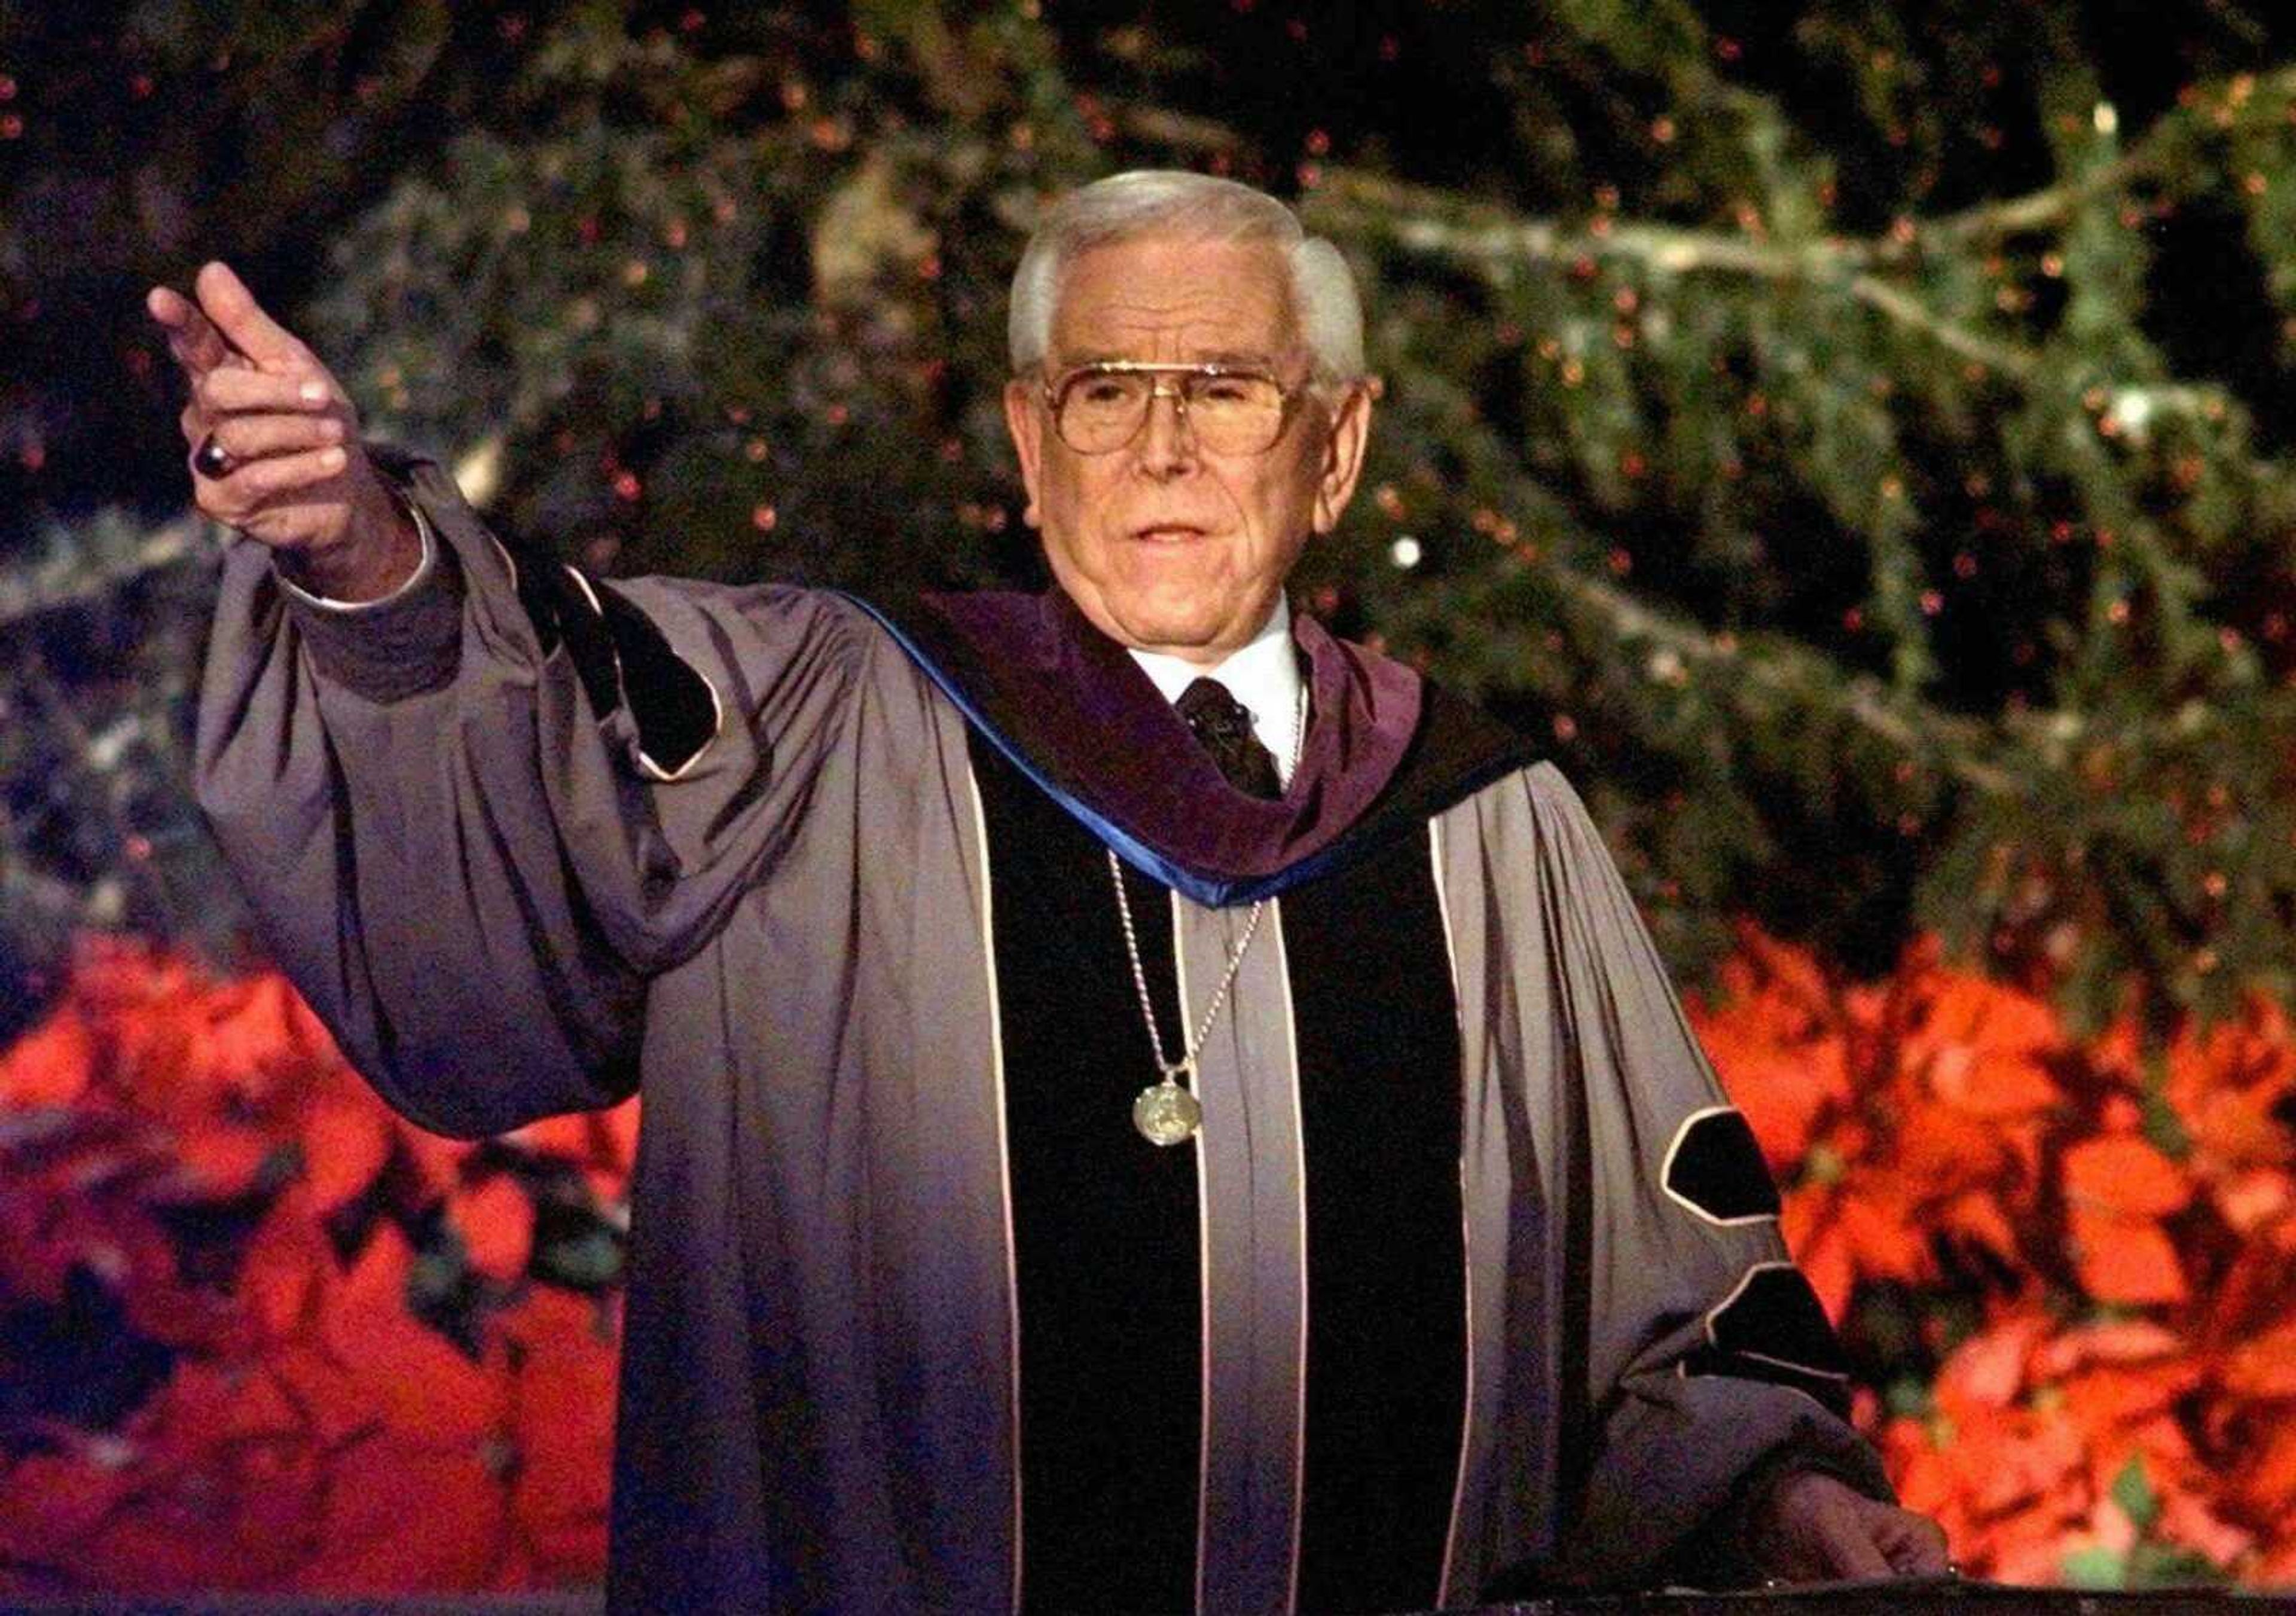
column 192, row 338
column 241, row 319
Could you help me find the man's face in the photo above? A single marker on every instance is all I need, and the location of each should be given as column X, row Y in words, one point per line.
column 1163, row 545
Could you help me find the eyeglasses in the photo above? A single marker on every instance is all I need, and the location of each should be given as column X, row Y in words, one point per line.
column 1099, row 408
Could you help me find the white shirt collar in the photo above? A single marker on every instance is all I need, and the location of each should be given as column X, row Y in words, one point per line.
column 1263, row 675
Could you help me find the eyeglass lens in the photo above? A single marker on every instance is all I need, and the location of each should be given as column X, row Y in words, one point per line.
column 1098, row 411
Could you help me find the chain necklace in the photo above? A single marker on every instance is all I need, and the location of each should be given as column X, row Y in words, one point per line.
column 1166, row 1113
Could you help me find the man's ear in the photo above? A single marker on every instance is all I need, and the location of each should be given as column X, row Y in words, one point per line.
column 1027, row 426
column 1343, row 455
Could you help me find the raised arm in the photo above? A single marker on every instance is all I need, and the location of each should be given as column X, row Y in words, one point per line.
column 477, row 799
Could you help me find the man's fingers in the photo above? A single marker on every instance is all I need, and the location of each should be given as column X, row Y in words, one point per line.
column 237, row 495
column 1815, row 1527
column 252, row 438
column 1855, row 1554
column 243, row 322
column 1915, row 1545
column 198, row 347
column 287, row 522
column 235, row 389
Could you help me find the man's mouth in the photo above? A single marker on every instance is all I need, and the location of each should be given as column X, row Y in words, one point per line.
column 1169, row 533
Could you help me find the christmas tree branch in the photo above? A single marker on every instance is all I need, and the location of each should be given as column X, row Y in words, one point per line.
column 1432, row 221
column 2053, row 205
column 53, row 706
column 37, row 902
column 1181, row 131
column 1954, row 743
column 1371, row 206
column 2018, row 214
column 2021, row 364
column 32, row 590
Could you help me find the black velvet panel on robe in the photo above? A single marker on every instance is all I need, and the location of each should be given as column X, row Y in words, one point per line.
column 1108, row 1264
column 1105, row 1225
column 1377, row 1029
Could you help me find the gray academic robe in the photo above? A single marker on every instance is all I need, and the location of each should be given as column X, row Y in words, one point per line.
column 504, row 906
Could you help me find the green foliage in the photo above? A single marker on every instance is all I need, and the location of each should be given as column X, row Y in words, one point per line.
column 2132, row 1489
column 1854, row 434
column 2148, row 1562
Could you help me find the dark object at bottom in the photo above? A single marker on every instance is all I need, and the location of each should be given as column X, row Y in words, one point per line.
column 1906, row 1596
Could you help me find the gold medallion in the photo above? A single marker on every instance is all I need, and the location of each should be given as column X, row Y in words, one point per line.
column 1165, row 1114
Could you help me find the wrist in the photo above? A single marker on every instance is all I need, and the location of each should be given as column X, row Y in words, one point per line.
column 380, row 549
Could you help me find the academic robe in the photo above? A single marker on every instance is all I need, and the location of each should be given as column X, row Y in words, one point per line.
column 1471, row 1257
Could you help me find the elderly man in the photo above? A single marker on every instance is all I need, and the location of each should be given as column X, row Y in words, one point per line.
column 1147, row 1106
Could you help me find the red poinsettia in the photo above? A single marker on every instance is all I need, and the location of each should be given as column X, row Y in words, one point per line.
column 2100, row 1242
column 304, row 1312
column 272, row 1311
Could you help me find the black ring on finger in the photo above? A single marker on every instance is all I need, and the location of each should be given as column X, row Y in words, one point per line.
column 211, row 459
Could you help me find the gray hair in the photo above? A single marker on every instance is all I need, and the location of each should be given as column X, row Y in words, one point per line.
column 1163, row 201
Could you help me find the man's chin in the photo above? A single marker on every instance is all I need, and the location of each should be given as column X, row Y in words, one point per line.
column 1171, row 618
column 1176, row 640
column 1194, row 635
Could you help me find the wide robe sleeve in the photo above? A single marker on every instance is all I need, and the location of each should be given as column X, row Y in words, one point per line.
column 1707, row 1363
column 474, row 819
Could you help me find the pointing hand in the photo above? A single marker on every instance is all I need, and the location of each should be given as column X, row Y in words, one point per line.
column 274, row 442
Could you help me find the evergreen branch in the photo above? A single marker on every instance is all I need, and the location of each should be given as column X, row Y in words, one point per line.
column 1897, row 303
column 2019, row 215
column 31, row 899
column 47, row 693
column 1955, row 742
column 29, row 591
column 1182, row 131
column 1366, row 204
column 2053, row 204
column 1687, row 251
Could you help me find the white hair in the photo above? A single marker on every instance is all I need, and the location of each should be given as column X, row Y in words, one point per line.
column 1170, row 202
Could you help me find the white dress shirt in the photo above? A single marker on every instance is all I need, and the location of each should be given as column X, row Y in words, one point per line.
column 1264, row 675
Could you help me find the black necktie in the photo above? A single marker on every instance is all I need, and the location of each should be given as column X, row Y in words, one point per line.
column 1224, row 728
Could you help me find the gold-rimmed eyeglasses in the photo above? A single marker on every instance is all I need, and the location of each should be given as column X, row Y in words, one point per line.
column 1232, row 409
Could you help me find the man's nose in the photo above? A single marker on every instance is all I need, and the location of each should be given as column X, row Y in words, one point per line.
column 1168, row 441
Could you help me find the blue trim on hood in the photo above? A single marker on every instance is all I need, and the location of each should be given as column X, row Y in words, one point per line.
column 1214, row 892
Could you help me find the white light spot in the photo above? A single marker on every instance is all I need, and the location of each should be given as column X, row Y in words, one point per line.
column 1405, row 551
column 2133, row 408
